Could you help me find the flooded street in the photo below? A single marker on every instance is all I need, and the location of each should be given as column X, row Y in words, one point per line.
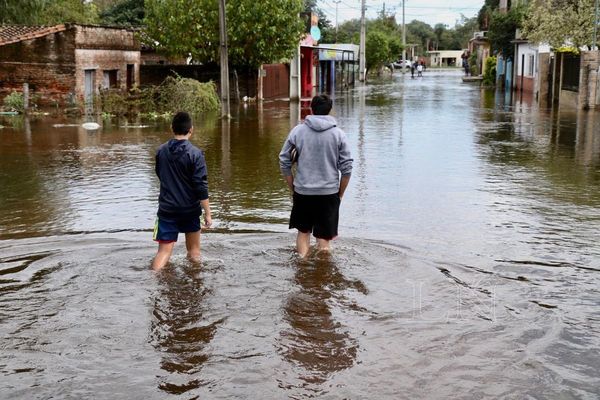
column 468, row 264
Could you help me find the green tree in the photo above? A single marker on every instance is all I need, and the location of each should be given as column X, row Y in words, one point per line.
column 560, row 23
column 377, row 50
column 485, row 13
column 502, row 29
column 349, row 31
column 259, row 32
column 124, row 12
column 420, row 34
column 47, row 12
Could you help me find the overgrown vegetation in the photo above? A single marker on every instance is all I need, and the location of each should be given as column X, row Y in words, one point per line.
column 560, row 23
column 14, row 102
column 174, row 94
column 489, row 76
column 502, row 29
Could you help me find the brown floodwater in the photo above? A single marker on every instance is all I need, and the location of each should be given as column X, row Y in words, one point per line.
column 468, row 264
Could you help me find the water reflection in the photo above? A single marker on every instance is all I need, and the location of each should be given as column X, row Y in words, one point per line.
column 315, row 341
column 179, row 331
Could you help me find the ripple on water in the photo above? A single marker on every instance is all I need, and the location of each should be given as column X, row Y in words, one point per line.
column 83, row 314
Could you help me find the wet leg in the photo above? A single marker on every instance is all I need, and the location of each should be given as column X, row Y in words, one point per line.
column 323, row 245
column 192, row 243
column 303, row 243
column 163, row 255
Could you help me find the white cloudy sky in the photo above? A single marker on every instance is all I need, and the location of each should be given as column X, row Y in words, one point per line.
column 429, row 11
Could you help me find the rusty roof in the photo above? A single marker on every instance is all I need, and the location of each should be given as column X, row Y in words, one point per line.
column 17, row 33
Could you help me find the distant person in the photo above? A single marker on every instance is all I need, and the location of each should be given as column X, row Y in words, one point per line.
column 323, row 155
column 420, row 69
column 181, row 169
column 465, row 62
column 413, row 66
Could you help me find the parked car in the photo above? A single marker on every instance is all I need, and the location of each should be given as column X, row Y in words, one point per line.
column 401, row 63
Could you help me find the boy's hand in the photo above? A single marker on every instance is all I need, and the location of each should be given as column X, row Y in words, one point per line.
column 207, row 221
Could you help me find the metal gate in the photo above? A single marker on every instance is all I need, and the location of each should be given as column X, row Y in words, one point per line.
column 276, row 83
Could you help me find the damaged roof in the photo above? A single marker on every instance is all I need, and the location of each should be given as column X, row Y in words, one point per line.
column 17, row 33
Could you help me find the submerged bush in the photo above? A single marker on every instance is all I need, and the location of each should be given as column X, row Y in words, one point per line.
column 185, row 94
column 174, row 94
column 14, row 102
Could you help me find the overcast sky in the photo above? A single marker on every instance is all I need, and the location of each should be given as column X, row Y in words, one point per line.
column 429, row 11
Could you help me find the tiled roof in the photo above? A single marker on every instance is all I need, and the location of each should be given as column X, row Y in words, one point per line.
column 17, row 33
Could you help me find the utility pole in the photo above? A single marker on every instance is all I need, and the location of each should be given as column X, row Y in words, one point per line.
column 336, row 18
column 362, row 64
column 595, row 25
column 403, row 40
column 224, row 61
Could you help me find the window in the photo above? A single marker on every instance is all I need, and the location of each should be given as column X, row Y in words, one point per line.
column 110, row 79
column 531, row 66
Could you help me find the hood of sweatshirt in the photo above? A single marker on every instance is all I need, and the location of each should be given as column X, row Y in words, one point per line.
column 177, row 148
column 320, row 123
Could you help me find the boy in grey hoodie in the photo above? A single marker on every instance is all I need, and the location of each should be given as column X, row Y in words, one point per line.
column 323, row 156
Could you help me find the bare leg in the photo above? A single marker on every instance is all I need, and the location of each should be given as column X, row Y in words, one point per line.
column 303, row 243
column 192, row 244
column 323, row 245
column 163, row 255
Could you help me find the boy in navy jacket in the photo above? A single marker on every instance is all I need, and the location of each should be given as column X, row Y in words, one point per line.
column 181, row 169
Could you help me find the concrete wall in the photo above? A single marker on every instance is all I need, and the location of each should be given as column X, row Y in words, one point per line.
column 588, row 80
column 542, row 84
column 526, row 67
column 46, row 63
column 105, row 60
column 102, row 38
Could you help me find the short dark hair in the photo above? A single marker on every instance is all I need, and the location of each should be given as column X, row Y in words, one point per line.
column 321, row 104
column 182, row 123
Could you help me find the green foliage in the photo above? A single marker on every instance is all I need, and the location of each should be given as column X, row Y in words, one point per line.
column 473, row 67
column 258, row 32
column 560, row 23
column 502, row 30
column 124, row 12
column 47, row 12
column 349, row 31
column 377, row 50
column 489, row 76
column 14, row 102
column 184, row 94
column 174, row 94
column 485, row 13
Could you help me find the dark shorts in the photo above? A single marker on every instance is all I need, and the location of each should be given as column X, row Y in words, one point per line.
column 166, row 229
column 318, row 214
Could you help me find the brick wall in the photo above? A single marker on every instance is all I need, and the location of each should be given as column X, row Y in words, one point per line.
column 46, row 63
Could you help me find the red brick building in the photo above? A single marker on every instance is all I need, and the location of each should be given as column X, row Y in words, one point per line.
column 67, row 63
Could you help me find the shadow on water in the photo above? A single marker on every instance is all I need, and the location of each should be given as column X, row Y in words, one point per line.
column 179, row 331
column 316, row 341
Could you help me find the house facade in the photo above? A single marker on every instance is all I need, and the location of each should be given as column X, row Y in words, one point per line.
column 67, row 63
column 445, row 58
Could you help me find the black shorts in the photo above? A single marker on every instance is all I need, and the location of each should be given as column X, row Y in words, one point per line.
column 318, row 214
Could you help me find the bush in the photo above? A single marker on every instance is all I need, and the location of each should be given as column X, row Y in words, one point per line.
column 114, row 102
column 185, row 94
column 14, row 102
column 489, row 76
column 473, row 67
column 174, row 94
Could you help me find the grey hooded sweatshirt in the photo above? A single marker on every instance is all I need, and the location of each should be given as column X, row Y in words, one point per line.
column 323, row 154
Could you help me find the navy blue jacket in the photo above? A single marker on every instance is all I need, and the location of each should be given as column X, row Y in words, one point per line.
column 181, row 168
